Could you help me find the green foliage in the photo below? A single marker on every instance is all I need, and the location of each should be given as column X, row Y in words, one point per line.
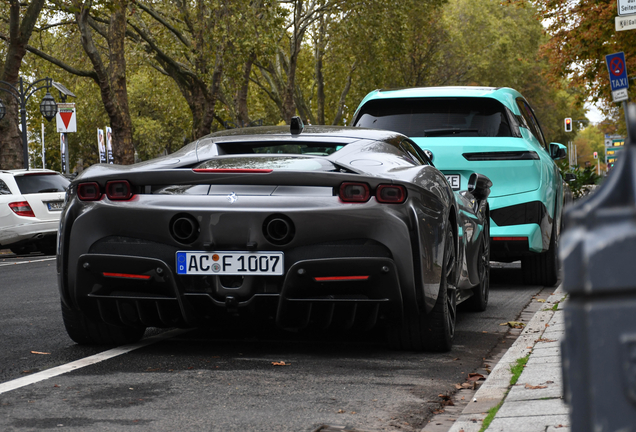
column 381, row 45
column 584, row 177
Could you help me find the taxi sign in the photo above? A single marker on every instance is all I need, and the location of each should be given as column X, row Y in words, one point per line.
column 617, row 75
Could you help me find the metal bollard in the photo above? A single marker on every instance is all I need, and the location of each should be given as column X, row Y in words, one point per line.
column 598, row 250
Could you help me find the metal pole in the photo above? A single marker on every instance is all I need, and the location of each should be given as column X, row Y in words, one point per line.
column 576, row 157
column 43, row 151
column 25, row 144
column 598, row 166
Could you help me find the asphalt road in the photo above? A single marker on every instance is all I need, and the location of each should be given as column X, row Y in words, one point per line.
column 226, row 380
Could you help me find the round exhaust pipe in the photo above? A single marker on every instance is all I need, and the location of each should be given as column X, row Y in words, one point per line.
column 278, row 229
column 184, row 228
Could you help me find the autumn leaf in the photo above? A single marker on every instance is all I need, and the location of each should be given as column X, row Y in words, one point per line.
column 38, row 352
column 280, row 363
column 475, row 377
column 531, row 387
column 514, row 324
column 541, row 300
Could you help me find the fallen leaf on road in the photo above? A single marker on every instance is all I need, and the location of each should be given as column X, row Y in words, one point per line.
column 514, row 324
column 546, row 340
column 341, row 411
column 541, row 300
column 38, row 352
column 531, row 387
column 458, row 386
column 280, row 363
column 475, row 377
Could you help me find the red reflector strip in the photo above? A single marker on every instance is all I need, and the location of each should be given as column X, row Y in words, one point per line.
column 340, row 278
column 232, row 170
column 126, row 276
column 510, row 238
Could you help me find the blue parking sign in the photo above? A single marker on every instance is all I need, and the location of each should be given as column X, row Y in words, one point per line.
column 618, row 76
column 617, row 70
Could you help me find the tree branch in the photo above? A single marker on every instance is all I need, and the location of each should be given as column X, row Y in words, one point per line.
column 165, row 23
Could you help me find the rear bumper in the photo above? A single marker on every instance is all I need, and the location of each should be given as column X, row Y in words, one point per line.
column 523, row 216
column 23, row 233
column 300, row 299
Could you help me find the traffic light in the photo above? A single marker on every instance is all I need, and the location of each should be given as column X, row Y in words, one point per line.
column 568, row 124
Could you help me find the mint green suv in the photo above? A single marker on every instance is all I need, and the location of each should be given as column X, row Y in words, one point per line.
column 492, row 131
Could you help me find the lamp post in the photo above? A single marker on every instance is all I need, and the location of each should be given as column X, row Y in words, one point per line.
column 48, row 107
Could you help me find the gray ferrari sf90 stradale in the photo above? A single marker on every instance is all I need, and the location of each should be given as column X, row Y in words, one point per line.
column 313, row 228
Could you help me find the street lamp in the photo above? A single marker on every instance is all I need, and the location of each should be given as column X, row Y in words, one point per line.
column 48, row 107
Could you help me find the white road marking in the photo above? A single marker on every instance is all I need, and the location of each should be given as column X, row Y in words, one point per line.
column 27, row 262
column 87, row 361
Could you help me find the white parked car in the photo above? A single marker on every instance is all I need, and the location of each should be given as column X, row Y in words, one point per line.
column 30, row 206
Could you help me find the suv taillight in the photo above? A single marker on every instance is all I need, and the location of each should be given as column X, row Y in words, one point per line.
column 89, row 191
column 354, row 192
column 22, row 208
column 118, row 190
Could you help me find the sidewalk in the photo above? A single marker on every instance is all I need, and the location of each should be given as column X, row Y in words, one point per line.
column 534, row 403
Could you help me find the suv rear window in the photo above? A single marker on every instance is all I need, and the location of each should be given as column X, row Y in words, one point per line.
column 439, row 117
column 41, row 183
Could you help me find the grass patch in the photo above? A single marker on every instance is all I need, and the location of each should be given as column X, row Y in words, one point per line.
column 516, row 370
column 492, row 412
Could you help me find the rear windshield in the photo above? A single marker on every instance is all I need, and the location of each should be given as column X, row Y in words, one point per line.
column 292, row 163
column 441, row 117
column 41, row 183
column 318, row 149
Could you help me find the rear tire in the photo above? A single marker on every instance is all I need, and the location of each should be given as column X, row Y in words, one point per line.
column 86, row 332
column 542, row 268
column 479, row 300
column 433, row 331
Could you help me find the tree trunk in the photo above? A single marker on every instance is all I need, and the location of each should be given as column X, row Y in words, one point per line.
column 289, row 105
column 11, row 145
column 240, row 101
column 320, row 81
column 111, row 80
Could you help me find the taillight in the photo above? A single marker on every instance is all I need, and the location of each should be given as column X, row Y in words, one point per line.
column 22, row 208
column 390, row 194
column 354, row 192
column 88, row 191
column 118, row 190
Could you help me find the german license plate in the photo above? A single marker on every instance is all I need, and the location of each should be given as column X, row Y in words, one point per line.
column 230, row 263
column 55, row 205
column 454, row 180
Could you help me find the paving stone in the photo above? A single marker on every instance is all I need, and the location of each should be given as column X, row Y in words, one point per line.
column 558, row 423
column 533, row 408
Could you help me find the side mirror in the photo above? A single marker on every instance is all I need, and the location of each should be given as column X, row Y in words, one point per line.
column 429, row 154
column 558, row 151
column 570, row 177
column 479, row 186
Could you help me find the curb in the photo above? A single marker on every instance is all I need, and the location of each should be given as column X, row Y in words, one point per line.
column 496, row 386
